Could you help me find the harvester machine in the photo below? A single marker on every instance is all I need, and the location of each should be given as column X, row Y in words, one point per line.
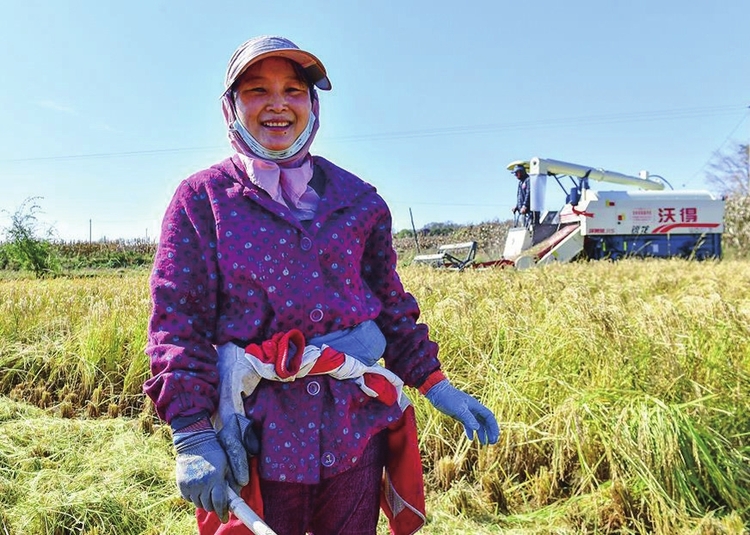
column 650, row 221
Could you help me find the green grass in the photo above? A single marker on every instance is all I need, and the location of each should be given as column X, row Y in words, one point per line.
column 621, row 388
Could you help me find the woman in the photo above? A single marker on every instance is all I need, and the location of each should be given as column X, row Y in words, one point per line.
column 265, row 253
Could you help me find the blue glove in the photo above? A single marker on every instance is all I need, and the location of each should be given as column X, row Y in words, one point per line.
column 473, row 415
column 239, row 442
column 202, row 471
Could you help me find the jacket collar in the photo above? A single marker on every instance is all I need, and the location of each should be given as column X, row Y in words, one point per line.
column 342, row 189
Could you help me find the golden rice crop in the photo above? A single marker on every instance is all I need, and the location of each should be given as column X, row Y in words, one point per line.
column 64, row 339
column 621, row 388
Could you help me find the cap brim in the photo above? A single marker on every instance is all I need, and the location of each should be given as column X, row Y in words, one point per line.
column 514, row 163
column 312, row 66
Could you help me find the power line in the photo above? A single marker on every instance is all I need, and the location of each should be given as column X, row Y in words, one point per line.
column 551, row 123
column 109, row 154
column 658, row 115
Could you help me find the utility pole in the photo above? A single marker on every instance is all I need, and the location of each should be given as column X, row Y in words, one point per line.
column 414, row 230
column 89, row 232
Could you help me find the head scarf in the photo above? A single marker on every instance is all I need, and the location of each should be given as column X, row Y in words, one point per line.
column 283, row 174
column 250, row 52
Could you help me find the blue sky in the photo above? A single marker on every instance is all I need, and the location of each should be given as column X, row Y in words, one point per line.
column 106, row 106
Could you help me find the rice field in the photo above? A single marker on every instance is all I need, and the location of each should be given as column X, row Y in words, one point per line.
column 622, row 391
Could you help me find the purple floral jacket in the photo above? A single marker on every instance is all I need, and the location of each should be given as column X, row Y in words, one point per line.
column 234, row 265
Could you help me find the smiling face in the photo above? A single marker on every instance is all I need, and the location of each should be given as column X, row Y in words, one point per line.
column 273, row 102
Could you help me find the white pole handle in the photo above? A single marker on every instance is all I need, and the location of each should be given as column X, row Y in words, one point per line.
column 249, row 517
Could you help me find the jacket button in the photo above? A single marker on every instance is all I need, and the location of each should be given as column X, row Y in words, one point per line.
column 316, row 315
column 306, row 244
column 313, row 387
column 328, row 459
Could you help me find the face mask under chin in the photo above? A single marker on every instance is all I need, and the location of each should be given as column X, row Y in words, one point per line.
column 275, row 155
